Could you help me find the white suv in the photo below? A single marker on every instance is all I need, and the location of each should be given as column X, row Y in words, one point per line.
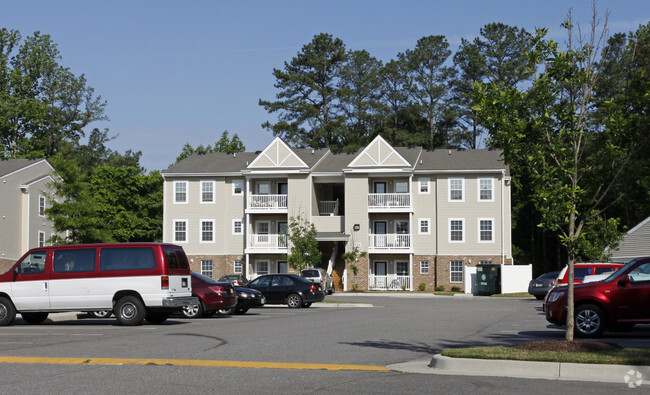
column 319, row 276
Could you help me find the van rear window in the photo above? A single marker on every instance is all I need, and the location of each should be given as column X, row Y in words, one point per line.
column 176, row 258
column 74, row 260
column 137, row 258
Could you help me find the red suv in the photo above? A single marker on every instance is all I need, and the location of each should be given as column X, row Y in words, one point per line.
column 617, row 302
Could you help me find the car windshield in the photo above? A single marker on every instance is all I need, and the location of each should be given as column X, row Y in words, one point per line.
column 620, row 270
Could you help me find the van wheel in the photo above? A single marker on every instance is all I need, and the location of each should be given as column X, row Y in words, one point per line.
column 34, row 318
column 294, row 301
column 101, row 313
column 193, row 311
column 129, row 311
column 7, row 312
column 589, row 321
column 156, row 317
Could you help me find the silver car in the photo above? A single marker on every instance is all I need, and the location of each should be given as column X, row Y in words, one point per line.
column 319, row 276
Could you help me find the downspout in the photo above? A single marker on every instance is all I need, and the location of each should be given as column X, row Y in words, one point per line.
column 503, row 252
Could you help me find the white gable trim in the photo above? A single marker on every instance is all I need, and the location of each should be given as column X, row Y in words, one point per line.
column 27, row 167
column 385, row 152
column 272, row 153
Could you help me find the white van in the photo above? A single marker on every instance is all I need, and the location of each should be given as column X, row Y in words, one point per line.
column 136, row 281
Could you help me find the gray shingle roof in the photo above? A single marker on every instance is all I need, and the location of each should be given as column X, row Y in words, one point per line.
column 10, row 165
column 449, row 160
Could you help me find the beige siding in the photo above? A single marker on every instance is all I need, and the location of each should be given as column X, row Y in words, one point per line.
column 424, row 206
column 356, row 210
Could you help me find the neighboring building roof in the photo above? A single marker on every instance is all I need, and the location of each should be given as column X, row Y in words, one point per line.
column 450, row 160
column 8, row 166
column 634, row 244
column 213, row 162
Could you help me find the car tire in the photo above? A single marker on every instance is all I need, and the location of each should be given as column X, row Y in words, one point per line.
column 241, row 311
column 229, row 311
column 101, row 314
column 129, row 311
column 539, row 297
column 210, row 313
column 590, row 321
column 34, row 318
column 294, row 301
column 193, row 311
column 306, row 305
column 7, row 312
column 156, row 317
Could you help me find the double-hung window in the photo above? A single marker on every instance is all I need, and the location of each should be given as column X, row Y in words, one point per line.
column 237, row 187
column 207, row 231
column 238, row 267
column 207, row 191
column 180, row 191
column 41, row 206
column 180, row 231
column 423, row 186
column 485, row 230
column 424, row 267
column 456, row 189
column 485, row 190
column 207, row 268
column 425, row 226
column 456, row 271
column 456, row 230
column 237, row 227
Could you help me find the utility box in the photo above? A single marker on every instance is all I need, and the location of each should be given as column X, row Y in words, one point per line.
column 488, row 279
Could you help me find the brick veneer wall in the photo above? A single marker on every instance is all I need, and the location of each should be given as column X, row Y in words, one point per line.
column 444, row 268
column 221, row 264
column 362, row 275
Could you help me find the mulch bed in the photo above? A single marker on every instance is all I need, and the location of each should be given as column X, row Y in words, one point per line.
column 569, row 346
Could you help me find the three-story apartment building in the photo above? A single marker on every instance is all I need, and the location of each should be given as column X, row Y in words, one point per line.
column 421, row 216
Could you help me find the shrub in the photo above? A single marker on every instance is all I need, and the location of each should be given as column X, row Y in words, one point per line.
column 440, row 288
column 455, row 288
column 422, row 286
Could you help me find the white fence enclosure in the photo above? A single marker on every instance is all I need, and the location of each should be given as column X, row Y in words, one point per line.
column 514, row 278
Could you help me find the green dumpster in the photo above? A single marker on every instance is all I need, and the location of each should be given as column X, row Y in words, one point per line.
column 488, row 279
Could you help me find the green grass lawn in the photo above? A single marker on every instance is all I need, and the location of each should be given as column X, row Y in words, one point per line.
column 626, row 356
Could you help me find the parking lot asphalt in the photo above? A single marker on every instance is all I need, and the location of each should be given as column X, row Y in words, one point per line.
column 634, row 376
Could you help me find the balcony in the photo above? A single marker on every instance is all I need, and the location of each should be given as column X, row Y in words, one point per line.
column 266, row 244
column 389, row 202
column 392, row 242
column 267, row 204
column 391, row 282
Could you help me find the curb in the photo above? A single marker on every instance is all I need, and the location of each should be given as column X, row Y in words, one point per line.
column 528, row 369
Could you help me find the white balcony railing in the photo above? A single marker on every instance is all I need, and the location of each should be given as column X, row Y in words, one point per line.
column 388, row 242
column 391, row 282
column 267, row 202
column 389, row 200
column 267, row 242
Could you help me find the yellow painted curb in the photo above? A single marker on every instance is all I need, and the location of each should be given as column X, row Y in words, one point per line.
column 191, row 362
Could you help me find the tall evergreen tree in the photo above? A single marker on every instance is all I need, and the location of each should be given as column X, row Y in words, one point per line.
column 429, row 81
column 359, row 93
column 307, row 101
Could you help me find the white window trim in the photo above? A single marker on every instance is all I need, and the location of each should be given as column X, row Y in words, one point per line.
column 234, row 184
column 203, row 272
column 478, row 225
column 234, row 221
column 462, row 188
column 241, row 266
column 406, row 263
column 428, row 232
column 405, row 182
column 426, row 180
column 41, row 234
column 201, row 222
column 174, row 222
column 449, row 231
column 187, row 192
column 428, row 267
column 42, row 198
column 478, row 187
column 212, row 183
column 462, row 271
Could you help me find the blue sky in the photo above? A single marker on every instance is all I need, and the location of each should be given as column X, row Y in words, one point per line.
column 174, row 72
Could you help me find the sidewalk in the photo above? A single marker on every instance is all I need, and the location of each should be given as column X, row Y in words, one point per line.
column 636, row 375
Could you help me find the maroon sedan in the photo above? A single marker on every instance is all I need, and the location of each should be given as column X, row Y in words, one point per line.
column 212, row 296
column 618, row 302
